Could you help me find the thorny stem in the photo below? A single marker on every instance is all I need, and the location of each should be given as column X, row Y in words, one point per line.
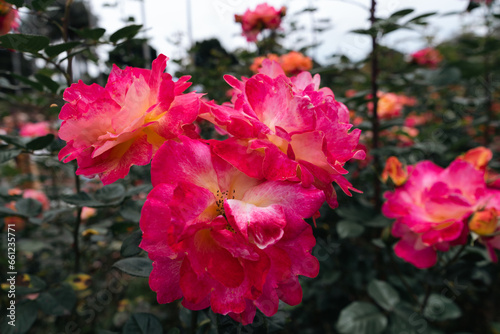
column 375, row 119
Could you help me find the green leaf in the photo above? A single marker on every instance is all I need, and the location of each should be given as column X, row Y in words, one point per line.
column 47, row 82
column 16, row 141
column 130, row 214
column 349, row 229
column 130, row 246
column 26, row 314
column 35, row 285
column 142, row 323
column 383, row 294
column 439, row 308
column 31, row 83
column 135, row 266
column 143, row 188
column 6, row 212
column 6, row 155
column 40, row 142
column 81, row 199
column 41, row 5
column 361, row 318
column 423, row 16
column 111, row 194
column 369, row 32
column 29, row 207
column 401, row 13
column 24, row 43
column 93, row 34
column 59, row 301
column 54, row 50
column 17, row 3
column 125, row 33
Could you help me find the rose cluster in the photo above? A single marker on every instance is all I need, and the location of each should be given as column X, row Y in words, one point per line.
column 436, row 208
column 255, row 21
column 224, row 223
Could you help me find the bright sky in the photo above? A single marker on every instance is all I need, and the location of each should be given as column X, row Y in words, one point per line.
column 165, row 19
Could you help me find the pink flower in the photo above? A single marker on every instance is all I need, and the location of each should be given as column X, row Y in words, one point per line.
column 123, row 124
column 431, row 209
column 220, row 238
column 9, row 18
column 263, row 17
column 289, row 129
column 427, row 57
column 35, row 129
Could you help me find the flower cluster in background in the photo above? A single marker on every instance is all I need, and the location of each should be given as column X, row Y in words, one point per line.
column 253, row 22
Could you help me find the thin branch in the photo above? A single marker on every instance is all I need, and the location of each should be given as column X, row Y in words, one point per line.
column 375, row 118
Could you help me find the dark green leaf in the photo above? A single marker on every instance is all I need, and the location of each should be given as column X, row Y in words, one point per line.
column 441, row 308
column 401, row 13
column 16, row 141
column 59, row 301
column 135, row 266
column 423, row 16
column 349, row 229
column 93, row 34
column 35, row 285
column 6, row 212
column 143, row 188
column 25, row 315
column 130, row 213
column 383, row 294
column 24, row 43
column 17, row 3
column 370, row 32
column 111, row 194
column 6, row 155
column 29, row 207
column 41, row 5
column 130, row 246
column 125, row 33
column 54, row 50
column 142, row 323
column 361, row 318
column 28, row 82
column 40, row 142
column 81, row 199
column 47, row 82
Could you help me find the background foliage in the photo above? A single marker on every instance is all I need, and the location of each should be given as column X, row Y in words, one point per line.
column 84, row 273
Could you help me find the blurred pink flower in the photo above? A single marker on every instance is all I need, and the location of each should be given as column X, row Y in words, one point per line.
column 431, row 209
column 427, row 57
column 109, row 129
column 9, row 18
column 263, row 17
column 289, row 128
column 220, row 238
column 35, row 129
